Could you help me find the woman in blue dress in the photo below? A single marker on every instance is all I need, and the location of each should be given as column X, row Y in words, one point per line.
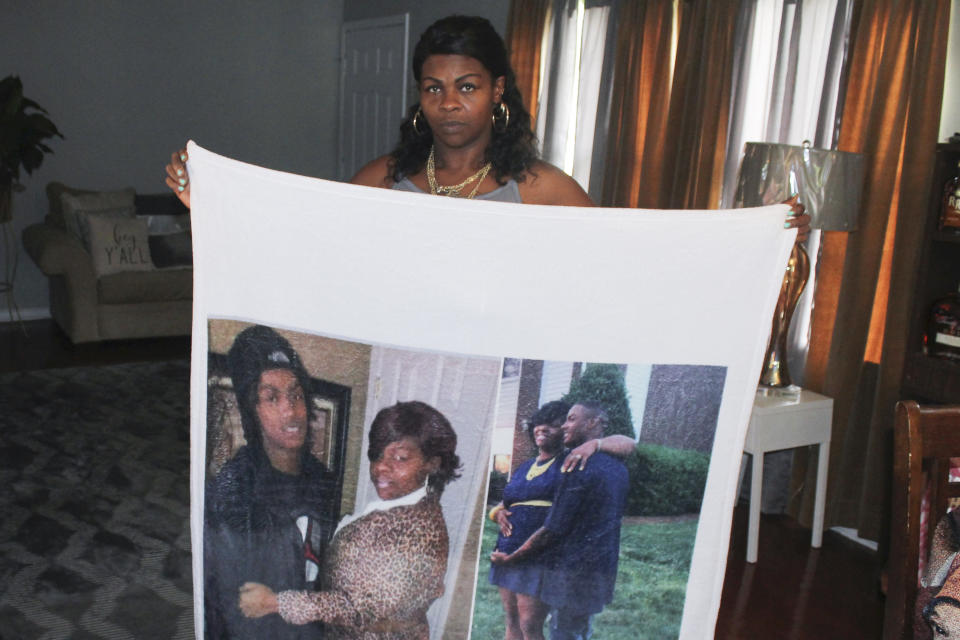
column 526, row 501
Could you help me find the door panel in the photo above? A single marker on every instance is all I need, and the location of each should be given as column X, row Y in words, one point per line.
column 373, row 88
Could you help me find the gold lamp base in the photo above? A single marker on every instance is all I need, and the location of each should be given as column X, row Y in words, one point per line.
column 775, row 376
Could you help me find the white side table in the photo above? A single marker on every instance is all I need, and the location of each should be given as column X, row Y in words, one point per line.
column 785, row 423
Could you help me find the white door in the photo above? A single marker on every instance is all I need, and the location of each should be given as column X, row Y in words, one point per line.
column 373, row 89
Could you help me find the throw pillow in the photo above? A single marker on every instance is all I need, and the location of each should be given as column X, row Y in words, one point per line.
column 117, row 202
column 161, row 225
column 117, row 244
column 106, row 214
column 171, row 250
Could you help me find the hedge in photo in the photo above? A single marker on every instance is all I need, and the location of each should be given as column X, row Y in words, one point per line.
column 666, row 481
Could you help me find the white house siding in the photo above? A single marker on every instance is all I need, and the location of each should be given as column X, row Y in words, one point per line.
column 506, row 419
column 637, row 382
column 555, row 380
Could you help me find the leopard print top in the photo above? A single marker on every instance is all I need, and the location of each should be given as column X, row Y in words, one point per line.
column 380, row 574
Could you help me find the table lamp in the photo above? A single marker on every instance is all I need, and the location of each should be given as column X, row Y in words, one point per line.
column 829, row 184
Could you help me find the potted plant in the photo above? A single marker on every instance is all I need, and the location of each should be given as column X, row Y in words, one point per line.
column 23, row 128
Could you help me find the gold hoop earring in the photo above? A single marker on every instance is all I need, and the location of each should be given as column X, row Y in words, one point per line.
column 416, row 118
column 501, row 116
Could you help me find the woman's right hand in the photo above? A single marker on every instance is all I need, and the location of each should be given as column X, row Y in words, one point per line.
column 503, row 521
column 177, row 178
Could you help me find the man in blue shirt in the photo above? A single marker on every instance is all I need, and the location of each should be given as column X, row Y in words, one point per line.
column 581, row 535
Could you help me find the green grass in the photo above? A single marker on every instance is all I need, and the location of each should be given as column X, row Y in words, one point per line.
column 651, row 583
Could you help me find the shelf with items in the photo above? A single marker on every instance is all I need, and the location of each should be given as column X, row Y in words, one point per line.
column 929, row 378
column 947, row 237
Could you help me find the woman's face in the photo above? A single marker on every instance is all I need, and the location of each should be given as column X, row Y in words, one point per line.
column 548, row 437
column 282, row 410
column 401, row 469
column 457, row 95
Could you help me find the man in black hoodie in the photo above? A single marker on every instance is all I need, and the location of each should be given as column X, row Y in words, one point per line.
column 269, row 511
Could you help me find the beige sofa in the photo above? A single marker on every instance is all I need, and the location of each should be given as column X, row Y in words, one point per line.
column 91, row 300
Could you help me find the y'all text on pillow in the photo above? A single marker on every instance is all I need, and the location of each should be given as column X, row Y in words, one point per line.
column 126, row 248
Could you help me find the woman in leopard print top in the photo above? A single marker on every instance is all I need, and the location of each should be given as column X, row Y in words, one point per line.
column 384, row 567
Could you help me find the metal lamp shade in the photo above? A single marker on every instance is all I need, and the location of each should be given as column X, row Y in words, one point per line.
column 829, row 182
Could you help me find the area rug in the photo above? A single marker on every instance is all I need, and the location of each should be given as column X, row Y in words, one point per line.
column 95, row 505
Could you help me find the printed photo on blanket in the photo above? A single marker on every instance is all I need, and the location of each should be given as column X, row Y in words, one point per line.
column 597, row 476
column 343, row 483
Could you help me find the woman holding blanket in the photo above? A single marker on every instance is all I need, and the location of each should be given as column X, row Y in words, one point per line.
column 469, row 136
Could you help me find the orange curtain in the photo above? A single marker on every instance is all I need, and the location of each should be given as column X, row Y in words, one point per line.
column 891, row 114
column 639, row 103
column 525, row 25
column 699, row 105
column 667, row 138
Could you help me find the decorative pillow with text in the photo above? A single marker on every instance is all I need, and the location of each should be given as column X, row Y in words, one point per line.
column 117, row 243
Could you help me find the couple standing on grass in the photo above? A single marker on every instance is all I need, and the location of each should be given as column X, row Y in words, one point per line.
column 559, row 523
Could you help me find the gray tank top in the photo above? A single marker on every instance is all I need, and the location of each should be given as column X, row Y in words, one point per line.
column 509, row 192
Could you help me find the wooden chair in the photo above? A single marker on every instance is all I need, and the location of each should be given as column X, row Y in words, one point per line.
column 925, row 438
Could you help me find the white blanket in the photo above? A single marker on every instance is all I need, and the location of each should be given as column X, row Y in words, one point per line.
column 472, row 277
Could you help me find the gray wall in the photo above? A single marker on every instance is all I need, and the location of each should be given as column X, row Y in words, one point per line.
column 129, row 82
column 423, row 14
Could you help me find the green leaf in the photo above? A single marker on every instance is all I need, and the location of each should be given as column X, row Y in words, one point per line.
column 24, row 126
column 31, row 157
column 43, row 125
column 30, row 104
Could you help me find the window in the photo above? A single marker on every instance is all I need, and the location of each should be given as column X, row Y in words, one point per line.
column 787, row 89
column 574, row 49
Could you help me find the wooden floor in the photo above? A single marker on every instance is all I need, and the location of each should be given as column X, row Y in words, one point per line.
column 40, row 344
column 793, row 592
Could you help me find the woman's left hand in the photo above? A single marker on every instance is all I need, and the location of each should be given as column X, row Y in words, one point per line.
column 499, row 558
column 257, row 600
column 798, row 219
column 177, row 178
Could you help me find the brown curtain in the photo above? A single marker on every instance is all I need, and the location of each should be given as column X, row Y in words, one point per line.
column 667, row 142
column 699, row 106
column 866, row 280
column 639, row 103
column 525, row 25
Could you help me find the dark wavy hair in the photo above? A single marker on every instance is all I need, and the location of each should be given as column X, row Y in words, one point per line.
column 553, row 413
column 512, row 151
column 426, row 425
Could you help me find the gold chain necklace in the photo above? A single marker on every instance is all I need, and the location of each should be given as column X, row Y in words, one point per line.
column 454, row 190
column 538, row 468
